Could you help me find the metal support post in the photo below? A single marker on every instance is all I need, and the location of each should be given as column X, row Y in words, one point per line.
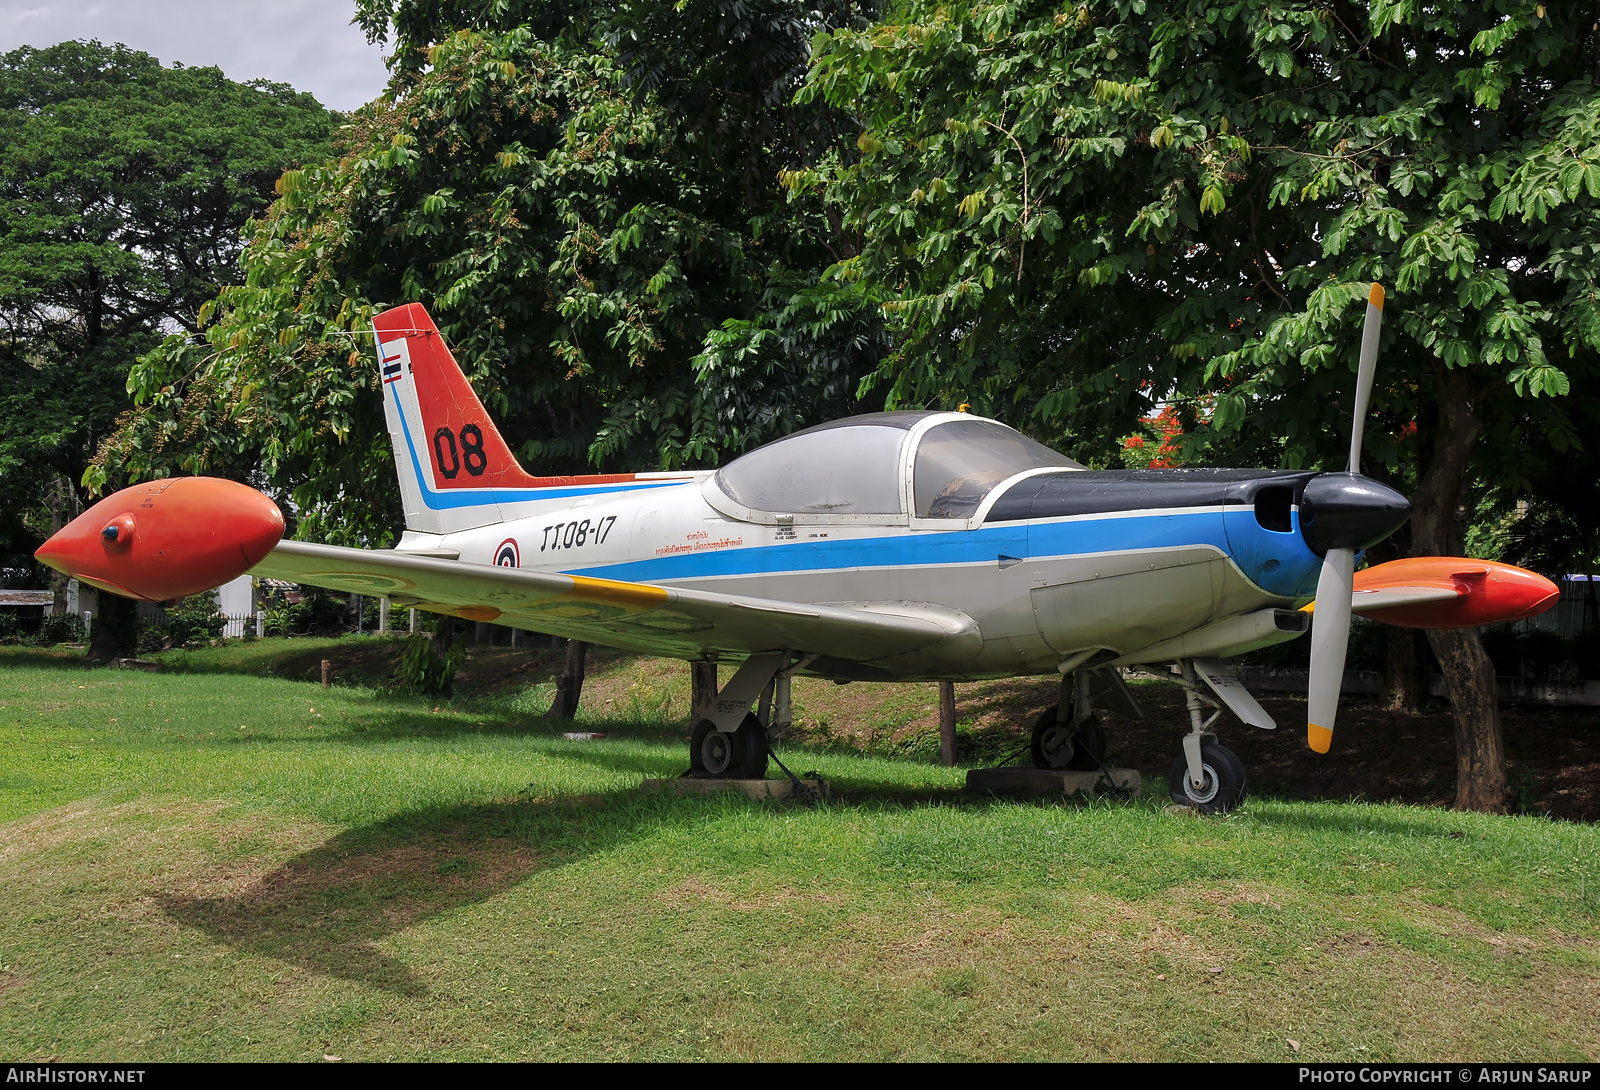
column 782, row 707
column 947, row 723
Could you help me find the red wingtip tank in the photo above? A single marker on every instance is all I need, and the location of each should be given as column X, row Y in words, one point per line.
column 1488, row 592
column 167, row 538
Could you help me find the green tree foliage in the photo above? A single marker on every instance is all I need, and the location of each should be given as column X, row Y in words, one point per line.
column 1087, row 206
column 429, row 660
column 123, row 186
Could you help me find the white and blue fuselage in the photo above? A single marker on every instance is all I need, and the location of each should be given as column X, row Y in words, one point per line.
column 1049, row 560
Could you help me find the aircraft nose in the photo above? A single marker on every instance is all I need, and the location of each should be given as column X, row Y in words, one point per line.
column 1349, row 511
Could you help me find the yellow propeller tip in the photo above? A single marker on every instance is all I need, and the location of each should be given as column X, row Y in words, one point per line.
column 1319, row 738
column 1375, row 296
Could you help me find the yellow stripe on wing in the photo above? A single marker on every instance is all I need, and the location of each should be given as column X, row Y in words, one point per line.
column 634, row 597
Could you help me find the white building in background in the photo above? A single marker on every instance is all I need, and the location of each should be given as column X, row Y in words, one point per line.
column 236, row 600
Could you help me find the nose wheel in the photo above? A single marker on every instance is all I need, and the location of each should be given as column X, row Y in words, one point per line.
column 1206, row 776
column 1222, row 780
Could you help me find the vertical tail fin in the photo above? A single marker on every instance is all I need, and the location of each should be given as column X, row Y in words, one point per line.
column 455, row 469
column 456, row 472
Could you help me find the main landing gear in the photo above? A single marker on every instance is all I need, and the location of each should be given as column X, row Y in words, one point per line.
column 729, row 742
column 740, row 755
column 1067, row 735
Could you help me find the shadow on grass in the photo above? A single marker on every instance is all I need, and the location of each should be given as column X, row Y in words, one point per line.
column 1356, row 815
column 327, row 909
column 330, row 908
column 50, row 658
column 398, row 719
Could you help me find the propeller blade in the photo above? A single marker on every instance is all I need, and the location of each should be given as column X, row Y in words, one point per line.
column 1330, row 639
column 1369, row 364
column 1330, row 630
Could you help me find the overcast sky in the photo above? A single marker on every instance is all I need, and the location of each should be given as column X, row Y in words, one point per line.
column 308, row 44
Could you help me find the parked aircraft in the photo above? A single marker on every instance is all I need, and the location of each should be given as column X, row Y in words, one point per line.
column 895, row 546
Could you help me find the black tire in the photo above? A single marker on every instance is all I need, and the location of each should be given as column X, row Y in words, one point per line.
column 751, row 742
column 741, row 755
column 711, row 752
column 1225, row 780
column 1080, row 747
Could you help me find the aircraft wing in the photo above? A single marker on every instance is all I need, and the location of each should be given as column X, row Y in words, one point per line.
column 672, row 621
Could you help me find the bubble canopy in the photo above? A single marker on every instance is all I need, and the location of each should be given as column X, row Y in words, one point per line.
column 960, row 461
column 855, row 469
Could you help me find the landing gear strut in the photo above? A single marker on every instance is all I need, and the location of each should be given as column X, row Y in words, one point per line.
column 1206, row 776
column 729, row 741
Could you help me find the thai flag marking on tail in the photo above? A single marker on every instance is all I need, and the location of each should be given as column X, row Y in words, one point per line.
column 394, row 355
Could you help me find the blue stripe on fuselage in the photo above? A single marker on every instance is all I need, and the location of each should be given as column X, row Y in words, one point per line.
column 1295, row 577
column 1152, row 531
column 483, row 497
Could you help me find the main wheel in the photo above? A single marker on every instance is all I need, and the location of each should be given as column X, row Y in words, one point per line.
column 1224, row 786
column 1078, row 746
column 751, row 742
column 741, row 755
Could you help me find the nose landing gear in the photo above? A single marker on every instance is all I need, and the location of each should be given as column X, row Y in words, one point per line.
column 1206, row 776
column 1221, row 783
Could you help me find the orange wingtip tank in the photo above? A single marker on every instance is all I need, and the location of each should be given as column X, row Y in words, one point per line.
column 1487, row 592
column 168, row 538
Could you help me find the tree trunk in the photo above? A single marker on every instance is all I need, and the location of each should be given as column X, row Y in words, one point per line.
column 569, row 686
column 1403, row 689
column 444, row 636
column 1402, row 678
column 947, row 723
column 1480, row 750
column 115, row 632
column 702, row 689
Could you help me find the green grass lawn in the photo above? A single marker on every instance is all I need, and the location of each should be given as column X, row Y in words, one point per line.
column 205, row 865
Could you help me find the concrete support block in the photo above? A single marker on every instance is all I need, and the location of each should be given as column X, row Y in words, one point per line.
column 755, row 789
column 1034, row 782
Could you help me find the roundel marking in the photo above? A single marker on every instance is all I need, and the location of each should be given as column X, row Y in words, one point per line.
column 507, row 555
